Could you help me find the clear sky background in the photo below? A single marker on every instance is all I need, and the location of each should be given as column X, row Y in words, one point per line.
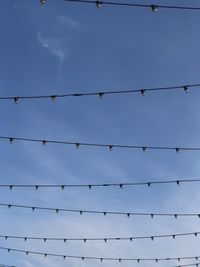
column 64, row 47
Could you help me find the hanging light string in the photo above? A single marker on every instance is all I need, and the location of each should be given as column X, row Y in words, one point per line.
column 153, row 7
column 99, row 145
column 191, row 264
column 100, row 94
column 105, row 239
column 5, row 265
column 81, row 212
column 45, row 254
column 105, row 185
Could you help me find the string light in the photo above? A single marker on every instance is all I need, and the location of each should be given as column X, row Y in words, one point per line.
column 143, row 91
column 138, row 260
column 100, row 145
column 190, row 264
column 81, row 212
column 104, row 185
column 135, row 5
column 5, row 265
column 105, row 239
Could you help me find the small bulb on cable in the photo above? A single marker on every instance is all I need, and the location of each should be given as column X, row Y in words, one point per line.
column 11, row 140
column 186, row 88
column 101, row 94
column 177, row 149
column 154, row 8
column 53, row 97
column 99, row 4
column 77, row 145
column 16, row 98
column 110, row 147
column 144, row 149
column 142, row 91
column 42, row 2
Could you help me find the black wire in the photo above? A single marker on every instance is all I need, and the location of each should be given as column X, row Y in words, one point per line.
column 90, row 186
column 190, row 264
column 154, row 7
column 109, row 146
column 5, row 265
column 81, row 212
column 105, row 239
column 100, row 93
column 99, row 258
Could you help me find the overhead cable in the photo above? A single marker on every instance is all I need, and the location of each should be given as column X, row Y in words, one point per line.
column 106, row 185
column 105, row 239
column 144, row 148
column 83, row 211
column 119, row 259
column 100, row 94
column 190, row 264
column 153, row 7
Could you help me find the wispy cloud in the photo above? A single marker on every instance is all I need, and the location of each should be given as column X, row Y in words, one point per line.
column 56, row 37
column 54, row 46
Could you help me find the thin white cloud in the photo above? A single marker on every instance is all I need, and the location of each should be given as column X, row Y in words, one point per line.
column 54, row 46
column 68, row 22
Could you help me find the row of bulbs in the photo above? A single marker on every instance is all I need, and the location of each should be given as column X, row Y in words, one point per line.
column 100, row 3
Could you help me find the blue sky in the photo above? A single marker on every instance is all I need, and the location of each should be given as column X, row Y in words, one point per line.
column 61, row 48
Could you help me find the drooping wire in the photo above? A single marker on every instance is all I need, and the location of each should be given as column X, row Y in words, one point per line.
column 105, row 185
column 83, row 211
column 144, row 148
column 153, row 7
column 190, row 264
column 6, row 265
column 100, row 94
column 45, row 254
column 105, row 239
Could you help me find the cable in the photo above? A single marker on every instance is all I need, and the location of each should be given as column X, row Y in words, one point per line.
column 5, row 265
column 191, row 264
column 98, row 145
column 81, row 212
column 106, row 185
column 105, row 239
column 153, row 7
column 99, row 258
column 100, row 94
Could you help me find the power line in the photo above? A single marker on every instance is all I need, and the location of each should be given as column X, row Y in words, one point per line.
column 100, row 94
column 105, row 185
column 105, row 239
column 5, row 265
column 100, row 145
column 81, row 212
column 27, row 252
column 153, row 7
